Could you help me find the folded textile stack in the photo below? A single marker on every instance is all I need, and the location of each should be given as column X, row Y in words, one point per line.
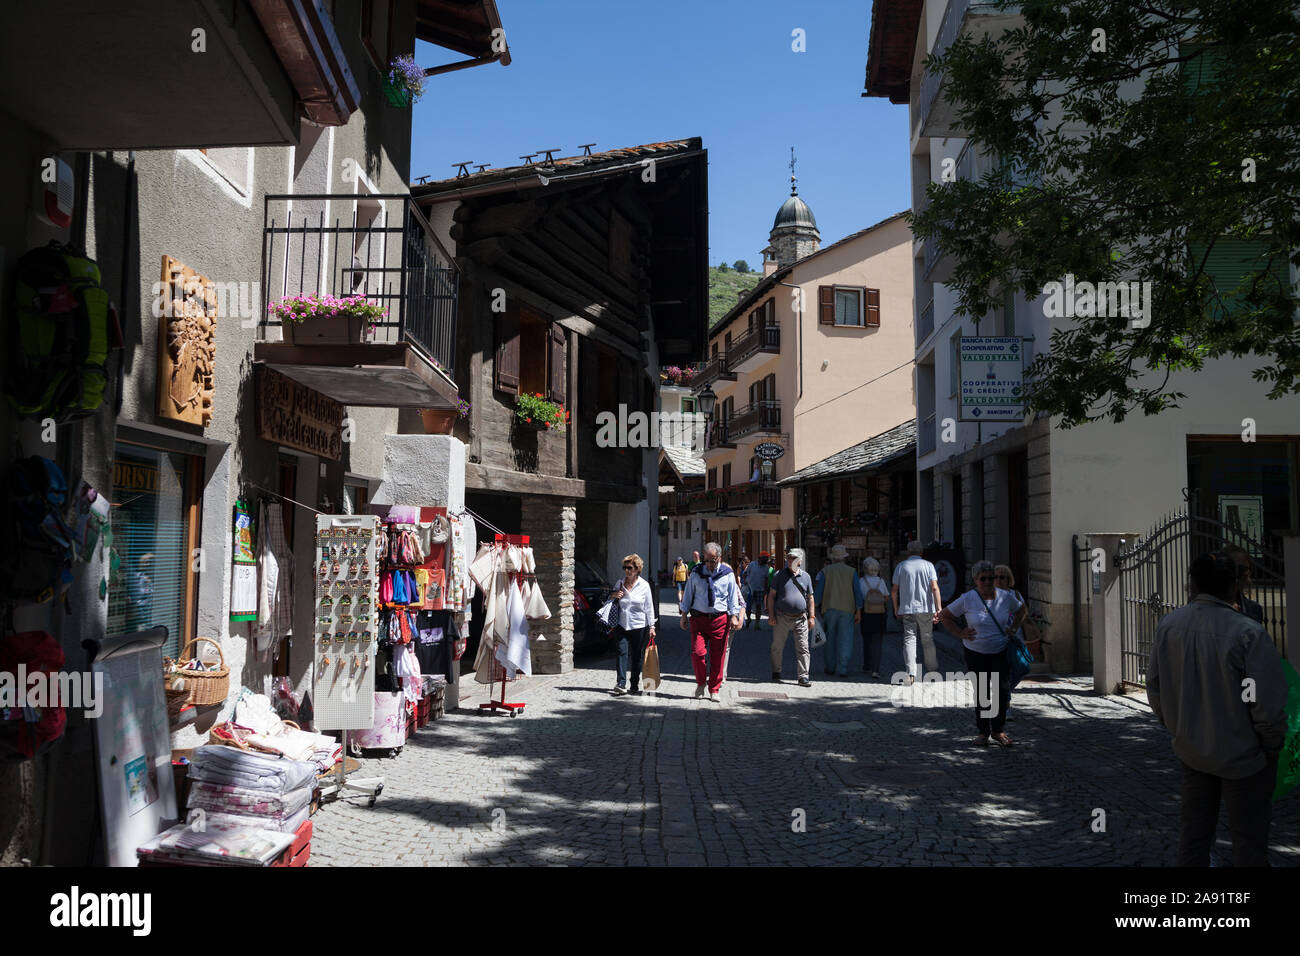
column 215, row 845
column 257, row 725
column 254, row 808
column 232, row 767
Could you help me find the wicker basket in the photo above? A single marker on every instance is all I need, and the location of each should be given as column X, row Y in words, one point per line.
column 176, row 701
column 206, row 687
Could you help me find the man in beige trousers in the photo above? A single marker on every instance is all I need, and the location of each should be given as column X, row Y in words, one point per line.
column 791, row 608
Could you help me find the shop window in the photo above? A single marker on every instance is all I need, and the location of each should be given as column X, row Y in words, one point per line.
column 153, row 577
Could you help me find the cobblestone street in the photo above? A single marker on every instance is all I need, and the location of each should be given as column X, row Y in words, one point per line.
column 584, row 777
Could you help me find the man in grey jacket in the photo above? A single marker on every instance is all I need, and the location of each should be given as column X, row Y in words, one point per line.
column 1215, row 681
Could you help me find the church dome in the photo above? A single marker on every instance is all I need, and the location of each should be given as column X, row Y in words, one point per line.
column 794, row 214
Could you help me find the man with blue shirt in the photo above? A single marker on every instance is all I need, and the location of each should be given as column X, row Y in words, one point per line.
column 710, row 609
column 839, row 598
column 917, row 604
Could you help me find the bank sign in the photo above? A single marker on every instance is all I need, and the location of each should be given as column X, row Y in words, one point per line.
column 991, row 370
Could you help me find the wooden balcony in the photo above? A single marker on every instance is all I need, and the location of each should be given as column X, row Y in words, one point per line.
column 754, row 348
column 759, row 418
column 711, row 371
column 750, row 498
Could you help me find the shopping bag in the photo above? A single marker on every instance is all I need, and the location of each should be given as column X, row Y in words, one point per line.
column 1019, row 660
column 818, row 636
column 650, row 668
column 606, row 613
column 1288, row 763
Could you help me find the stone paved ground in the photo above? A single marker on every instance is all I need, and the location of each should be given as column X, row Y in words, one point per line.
column 583, row 777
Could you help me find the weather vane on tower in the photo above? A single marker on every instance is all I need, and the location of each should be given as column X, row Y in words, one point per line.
column 794, row 189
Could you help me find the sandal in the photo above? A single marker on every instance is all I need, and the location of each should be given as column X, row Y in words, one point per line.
column 1004, row 740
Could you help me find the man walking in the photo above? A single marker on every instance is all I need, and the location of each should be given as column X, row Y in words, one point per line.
column 917, row 604
column 756, row 576
column 792, row 607
column 839, row 595
column 1215, row 681
column 710, row 611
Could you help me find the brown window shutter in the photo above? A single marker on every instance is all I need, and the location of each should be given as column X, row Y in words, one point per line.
column 844, row 499
column 555, row 385
column 506, row 362
column 826, row 304
column 873, row 308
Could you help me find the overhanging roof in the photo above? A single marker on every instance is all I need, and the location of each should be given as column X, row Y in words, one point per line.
column 899, row 442
column 892, row 46
column 465, row 26
column 683, row 461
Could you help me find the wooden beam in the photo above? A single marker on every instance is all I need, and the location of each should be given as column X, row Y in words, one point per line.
column 487, row 478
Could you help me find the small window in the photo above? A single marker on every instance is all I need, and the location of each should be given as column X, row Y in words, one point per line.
column 848, row 307
column 688, row 404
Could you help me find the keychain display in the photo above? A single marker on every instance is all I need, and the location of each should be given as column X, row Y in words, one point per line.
column 349, row 550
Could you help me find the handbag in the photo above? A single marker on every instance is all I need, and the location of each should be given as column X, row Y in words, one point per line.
column 1019, row 660
column 650, row 677
column 606, row 613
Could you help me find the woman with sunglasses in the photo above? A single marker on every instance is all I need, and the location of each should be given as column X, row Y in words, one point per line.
column 991, row 614
column 636, row 620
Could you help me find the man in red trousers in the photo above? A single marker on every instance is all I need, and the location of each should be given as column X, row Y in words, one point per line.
column 710, row 609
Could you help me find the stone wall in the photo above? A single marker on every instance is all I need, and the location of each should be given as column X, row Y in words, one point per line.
column 550, row 523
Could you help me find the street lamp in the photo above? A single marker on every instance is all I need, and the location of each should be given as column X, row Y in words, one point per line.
column 767, row 468
column 707, row 401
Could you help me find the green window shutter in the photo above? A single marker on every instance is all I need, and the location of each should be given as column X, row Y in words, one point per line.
column 1229, row 262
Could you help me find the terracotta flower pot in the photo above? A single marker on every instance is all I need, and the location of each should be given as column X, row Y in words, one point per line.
column 338, row 329
column 439, row 421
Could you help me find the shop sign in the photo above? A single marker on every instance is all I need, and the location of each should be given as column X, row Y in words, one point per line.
column 991, row 371
column 768, row 450
column 296, row 416
column 1243, row 519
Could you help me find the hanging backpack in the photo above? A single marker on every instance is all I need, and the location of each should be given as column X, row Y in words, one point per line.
column 37, row 547
column 60, row 330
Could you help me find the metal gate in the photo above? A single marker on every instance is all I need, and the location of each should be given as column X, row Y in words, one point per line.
column 1082, row 584
column 1153, row 581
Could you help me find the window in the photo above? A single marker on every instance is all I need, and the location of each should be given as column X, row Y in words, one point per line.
column 726, row 476
column 848, row 306
column 531, row 356
column 155, row 522
column 377, row 30
column 726, row 345
column 713, row 478
column 1229, row 262
column 532, row 352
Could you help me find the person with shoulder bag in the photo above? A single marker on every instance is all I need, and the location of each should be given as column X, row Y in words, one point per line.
column 875, row 592
column 992, row 614
column 791, row 608
column 634, row 622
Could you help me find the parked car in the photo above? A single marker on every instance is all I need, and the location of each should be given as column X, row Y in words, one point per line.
column 590, row 590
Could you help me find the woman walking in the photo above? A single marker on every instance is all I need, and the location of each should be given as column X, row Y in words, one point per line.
column 636, row 620
column 991, row 614
column 875, row 593
column 680, row 570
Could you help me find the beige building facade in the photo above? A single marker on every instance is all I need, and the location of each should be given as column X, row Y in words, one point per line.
column 816, row 359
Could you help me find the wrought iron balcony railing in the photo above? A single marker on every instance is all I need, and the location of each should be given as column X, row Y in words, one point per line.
column 762, row 416
column 711, row 371
column 380, row 246
column 764, row 338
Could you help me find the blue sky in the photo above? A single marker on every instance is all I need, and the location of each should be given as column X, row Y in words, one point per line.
column 626, row 72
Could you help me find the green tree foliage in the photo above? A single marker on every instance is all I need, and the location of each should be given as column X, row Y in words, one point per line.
column 740, row 265
column 723, row 267
column 1132, row 162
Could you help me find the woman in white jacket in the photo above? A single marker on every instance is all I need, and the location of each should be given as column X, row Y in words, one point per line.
column 636, row 622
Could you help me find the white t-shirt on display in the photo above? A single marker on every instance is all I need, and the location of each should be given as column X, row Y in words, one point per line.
column 988, row 638
column 913, row 578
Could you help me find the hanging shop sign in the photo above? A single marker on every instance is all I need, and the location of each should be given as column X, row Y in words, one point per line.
column 187, row 343
column 991, row 371
column 296, row 416
column 768, row 450
column 1243, row 520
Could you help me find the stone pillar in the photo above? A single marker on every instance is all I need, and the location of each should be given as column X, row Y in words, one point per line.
column 551, row 523
column 1107, row 671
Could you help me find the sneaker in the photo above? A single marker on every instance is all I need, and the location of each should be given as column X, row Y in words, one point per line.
column 620, row 691
column 776, row 677
column 699, row 690
column 876, row 675
column 714, row 697
column 804, row 682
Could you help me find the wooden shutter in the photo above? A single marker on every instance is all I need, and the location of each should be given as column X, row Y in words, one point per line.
column 873, row 308
column 845, row 499
column 555, row 385
column 726, row 476
column 826, row 304
column 506, row 360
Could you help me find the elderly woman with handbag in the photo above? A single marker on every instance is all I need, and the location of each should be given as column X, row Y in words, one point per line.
column 635, row 622
column 992, row 615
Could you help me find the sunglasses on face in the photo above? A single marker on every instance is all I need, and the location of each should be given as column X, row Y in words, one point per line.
column 629, row 567
column 983, row 579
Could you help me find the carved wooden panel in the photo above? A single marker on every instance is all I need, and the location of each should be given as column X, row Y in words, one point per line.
column 187, row 343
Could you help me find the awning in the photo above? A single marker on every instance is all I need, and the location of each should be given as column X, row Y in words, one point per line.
column 374, row 376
